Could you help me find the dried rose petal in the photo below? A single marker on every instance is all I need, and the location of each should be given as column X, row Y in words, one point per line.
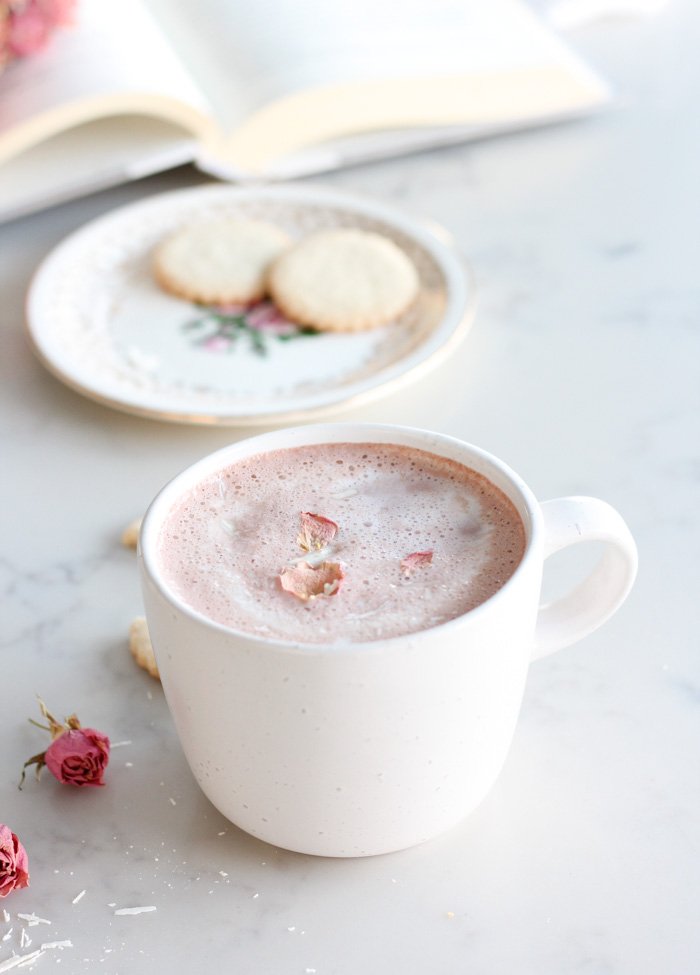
column 416, row 561
column 316, row 531
column 308, row 582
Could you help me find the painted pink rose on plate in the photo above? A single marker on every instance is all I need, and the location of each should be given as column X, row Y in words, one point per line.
column 258, row 327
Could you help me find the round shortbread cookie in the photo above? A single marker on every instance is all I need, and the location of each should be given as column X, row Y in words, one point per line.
column 343, row 280
column 141, row 647
column 219, row 261
column 131, row 533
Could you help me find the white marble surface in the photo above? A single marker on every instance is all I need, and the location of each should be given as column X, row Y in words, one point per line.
column 581, row 372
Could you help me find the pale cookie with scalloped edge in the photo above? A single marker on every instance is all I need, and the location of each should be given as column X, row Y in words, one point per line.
column 343, row 280
column 141, row 647
column 219, row 261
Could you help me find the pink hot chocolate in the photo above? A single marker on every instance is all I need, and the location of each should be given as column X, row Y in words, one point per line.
column 227, row 544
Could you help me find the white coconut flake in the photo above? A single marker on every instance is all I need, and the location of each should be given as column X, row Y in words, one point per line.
column 6, row 936
column 344, row 495
column 222, row 873
column 134, row 910
column 56, row 944
column 118, row 744
column 31, row 958
column 317, row 556
column 172, row 801
column 32, row 919
column 5, row 916
column 25, row 940
column 79, row 897
column 18, row 960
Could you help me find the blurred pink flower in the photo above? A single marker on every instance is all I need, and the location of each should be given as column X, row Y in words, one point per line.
column 28, row 24
column 29, row 31
column 61, row 12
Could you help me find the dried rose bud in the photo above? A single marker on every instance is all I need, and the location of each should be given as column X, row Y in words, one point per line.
column 417, row 560
column 76, row 755
column 313, row 582
column 14, row 866
column 316, row 531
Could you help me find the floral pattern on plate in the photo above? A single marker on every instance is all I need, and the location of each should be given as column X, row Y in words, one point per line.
column 222, row 329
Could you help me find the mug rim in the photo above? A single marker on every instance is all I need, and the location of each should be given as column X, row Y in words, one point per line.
column 524, row 500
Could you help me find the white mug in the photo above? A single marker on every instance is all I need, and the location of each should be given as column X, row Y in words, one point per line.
column 366, row 748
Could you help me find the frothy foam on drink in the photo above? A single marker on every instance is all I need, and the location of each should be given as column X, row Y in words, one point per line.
column 226, row 542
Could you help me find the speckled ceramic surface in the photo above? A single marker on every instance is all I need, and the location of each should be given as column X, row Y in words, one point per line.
column 101, row 323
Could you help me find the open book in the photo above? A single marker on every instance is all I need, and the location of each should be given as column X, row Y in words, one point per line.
column 272, row 89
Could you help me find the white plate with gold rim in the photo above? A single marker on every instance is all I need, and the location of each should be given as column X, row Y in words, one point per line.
column 99, row 321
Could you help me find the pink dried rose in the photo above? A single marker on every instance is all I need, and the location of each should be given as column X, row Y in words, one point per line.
column 76, row 755
column 316, row 531
column 29, row 31
column 14, row 866
column 417, row 560
column 28, row 25
column 313, row 582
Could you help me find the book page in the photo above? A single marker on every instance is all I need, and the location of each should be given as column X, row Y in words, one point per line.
column 111, row 58
column 90, row 157
column 246, row 55
column 300, row 87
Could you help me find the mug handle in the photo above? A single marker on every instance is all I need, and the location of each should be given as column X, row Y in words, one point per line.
column 575, row 615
